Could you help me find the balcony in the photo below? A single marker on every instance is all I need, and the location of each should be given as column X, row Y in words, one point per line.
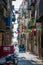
column 33, row 2
column 40, row 19
column 3, row 3
column 28, row 6
column 7, row 27
column 41, row 8
column 1, row 30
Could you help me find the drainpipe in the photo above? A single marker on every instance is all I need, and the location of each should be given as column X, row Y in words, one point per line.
column 10, row 18
column 35, row 17
column 11, row 14
column 26, row 41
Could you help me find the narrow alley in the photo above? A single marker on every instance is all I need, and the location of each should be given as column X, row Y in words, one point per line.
column 21, row 32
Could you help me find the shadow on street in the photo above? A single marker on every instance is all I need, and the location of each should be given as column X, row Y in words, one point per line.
column 23, row 61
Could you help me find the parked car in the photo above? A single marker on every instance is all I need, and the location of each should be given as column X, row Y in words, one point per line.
column 21, row 47
column 11, row 58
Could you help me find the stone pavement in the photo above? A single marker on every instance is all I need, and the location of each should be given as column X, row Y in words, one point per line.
column 30, row 56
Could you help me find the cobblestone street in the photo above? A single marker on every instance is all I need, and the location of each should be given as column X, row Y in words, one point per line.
column 28, row 59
